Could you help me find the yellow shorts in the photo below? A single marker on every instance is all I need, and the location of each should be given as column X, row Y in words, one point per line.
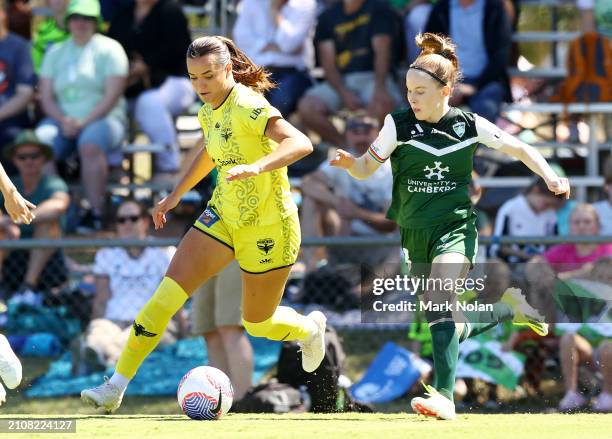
column 258, row 249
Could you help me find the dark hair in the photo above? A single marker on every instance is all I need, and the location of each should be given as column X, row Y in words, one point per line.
column 244, row 70
column 437, row 58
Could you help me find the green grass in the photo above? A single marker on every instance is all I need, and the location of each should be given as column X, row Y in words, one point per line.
column 351, row 425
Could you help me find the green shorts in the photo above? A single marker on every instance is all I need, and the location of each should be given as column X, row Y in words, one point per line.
column 422, row 245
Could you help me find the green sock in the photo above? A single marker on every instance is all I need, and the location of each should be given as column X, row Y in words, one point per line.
column 445, row 343
column 481, row 321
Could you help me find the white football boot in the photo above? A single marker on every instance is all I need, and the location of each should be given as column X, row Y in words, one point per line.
column 434, row 405
column 106, row 396
column 313, row 348
column 10, row 366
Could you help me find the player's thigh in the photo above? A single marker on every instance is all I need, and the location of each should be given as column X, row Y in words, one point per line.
column 198, row 257
column 261, row 293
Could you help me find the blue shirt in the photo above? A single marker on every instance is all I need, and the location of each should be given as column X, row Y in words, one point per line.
column 15, row 66
column 466, row 30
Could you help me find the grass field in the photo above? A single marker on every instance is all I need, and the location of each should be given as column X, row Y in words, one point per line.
column 353, row 425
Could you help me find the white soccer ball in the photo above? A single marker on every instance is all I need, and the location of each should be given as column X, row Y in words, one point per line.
column 205, row 393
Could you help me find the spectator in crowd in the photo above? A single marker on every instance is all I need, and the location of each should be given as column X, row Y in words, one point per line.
column 216, row 314
column 125, row 279
column 595, row 16
column 529, row 214
column 576, row 350
column 604, row 207
column 28, row 272
column 566, row 261
column 49, row 31
column 20, row 18
column 155, row 36
column 355, row 40
column 481, row 30
column 81, row 86
column 571, row 260
column 335, row 204
column 415, row 14
column 277, row 34
column 16, row 83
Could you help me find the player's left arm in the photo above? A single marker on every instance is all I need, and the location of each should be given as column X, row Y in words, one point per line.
column 492, row 136
column 292, row 146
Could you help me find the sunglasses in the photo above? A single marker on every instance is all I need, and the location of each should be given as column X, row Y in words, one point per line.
column 128, row 219
column 32, row 156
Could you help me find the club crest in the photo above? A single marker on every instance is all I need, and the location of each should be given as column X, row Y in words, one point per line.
column 459, row 128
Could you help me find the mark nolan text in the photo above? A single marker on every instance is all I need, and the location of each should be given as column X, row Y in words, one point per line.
column 406, row 306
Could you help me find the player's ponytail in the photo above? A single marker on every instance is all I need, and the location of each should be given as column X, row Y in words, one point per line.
column 244, row 70
column 437, row 58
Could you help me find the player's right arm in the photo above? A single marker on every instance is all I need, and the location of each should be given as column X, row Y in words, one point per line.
column 200, row 167
column 382, row 148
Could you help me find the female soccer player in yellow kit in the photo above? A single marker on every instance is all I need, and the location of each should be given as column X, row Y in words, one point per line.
column 251, row 216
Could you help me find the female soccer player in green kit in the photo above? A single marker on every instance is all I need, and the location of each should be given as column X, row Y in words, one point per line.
column 431, row 146
column 251, row 216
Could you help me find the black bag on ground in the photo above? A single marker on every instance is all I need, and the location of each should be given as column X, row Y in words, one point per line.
column 270, row 397
column 326, row 396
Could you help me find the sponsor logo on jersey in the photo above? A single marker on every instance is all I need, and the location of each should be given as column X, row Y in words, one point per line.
column 266, row 261
column 208, row 217
column 459, row 128
column 436, row 171
column 265, row 245
column 255, row 113
column 228, row 162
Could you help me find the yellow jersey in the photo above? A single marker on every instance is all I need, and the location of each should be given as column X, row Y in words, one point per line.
column 234, row 135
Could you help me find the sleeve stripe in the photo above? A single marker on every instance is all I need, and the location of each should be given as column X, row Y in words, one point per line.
column 375, row 156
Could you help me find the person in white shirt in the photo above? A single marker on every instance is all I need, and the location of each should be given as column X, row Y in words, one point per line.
column 528, row 214
column 277, row 34
column 125, row 279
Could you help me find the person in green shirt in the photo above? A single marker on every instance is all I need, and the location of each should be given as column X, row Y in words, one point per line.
column 30, row 271
column 52, row 30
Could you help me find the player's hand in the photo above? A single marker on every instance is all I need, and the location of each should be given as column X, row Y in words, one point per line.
column 559, row 186
column 165, row 205
column 18, row 208
column 242, row 171
column 342, row 159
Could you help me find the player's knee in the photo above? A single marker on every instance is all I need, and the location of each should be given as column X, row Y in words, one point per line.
column 258, row 329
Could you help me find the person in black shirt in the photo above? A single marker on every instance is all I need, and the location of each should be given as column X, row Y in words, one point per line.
column 155, row 35
column 355, row 40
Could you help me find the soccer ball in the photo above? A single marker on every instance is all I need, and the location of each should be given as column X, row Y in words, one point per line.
column 205, row 393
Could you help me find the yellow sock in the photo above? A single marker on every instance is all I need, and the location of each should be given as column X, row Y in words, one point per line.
column 285, row 324
column 149, row 325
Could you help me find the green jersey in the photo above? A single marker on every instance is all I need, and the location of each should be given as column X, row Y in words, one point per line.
column 46, row 34
column 432, row 164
